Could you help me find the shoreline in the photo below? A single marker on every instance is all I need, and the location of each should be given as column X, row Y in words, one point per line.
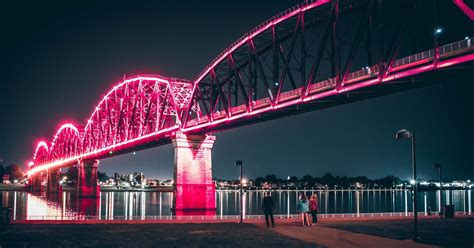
column 21, row 187
column 257, row 219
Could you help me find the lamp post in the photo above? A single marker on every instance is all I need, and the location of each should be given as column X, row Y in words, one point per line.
column 405, row 134
column 239, row 163
column 438, row 166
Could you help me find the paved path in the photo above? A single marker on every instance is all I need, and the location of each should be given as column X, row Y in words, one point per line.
column 331, row 237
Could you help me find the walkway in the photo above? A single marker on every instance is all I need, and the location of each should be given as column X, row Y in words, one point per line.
column 331, row 237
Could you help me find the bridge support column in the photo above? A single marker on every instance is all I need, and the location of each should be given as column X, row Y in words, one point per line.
column 87, row 185
column 34, row 182
column 194, row 191
column 53, row 186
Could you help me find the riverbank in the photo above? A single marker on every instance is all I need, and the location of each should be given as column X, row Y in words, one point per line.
column 12, row 187
column 145, row 235
column 21, row 187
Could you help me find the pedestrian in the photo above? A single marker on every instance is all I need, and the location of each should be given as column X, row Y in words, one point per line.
column 268, row 208
column 303, row 208
column 314, row 208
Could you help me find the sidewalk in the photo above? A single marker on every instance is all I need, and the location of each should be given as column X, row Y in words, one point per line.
column 331, row 237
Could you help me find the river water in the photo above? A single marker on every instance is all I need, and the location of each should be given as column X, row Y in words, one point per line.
column 156, row 205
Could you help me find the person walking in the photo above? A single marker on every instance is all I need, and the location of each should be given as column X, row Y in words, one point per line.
column 314, row 208
column 303, row 208
column 268, row 208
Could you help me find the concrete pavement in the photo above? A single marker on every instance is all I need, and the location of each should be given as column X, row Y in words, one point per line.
column 331, row 237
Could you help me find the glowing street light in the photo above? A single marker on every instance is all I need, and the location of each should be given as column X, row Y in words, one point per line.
column 405, row 134
column 438, row 31
column 239, row 163
column 438, row 166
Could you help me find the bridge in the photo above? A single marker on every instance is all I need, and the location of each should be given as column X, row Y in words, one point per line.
column 316, row 55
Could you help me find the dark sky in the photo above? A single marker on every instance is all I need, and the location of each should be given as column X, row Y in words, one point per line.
column 59, row 58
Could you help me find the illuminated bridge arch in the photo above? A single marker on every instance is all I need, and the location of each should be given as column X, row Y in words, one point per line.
column 41, row 154
column 66, row 142
column 134, row 108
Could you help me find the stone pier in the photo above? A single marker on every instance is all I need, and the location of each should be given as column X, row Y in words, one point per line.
column 53, row 186
column 193, row 186
column 87, row 185
column 34, row 182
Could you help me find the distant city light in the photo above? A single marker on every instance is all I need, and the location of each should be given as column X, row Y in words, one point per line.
column 466, row 38
column 412, row 182
column 244, row 181
column 276, row 83
column 438, row 31
column 134, row 152
column 468, row 181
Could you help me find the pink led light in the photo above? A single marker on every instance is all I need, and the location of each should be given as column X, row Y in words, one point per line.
column 273, row 21
column 106, row 97
column 67, row 126
column 465, row 8
column 40, row 145
column 64, row 162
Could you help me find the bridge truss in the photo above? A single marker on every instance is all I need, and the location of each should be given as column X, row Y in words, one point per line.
column 315, row 55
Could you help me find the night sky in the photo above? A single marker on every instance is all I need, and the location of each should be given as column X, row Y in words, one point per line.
column 59, row 58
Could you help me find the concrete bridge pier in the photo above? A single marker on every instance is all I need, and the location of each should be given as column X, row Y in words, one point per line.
column 34, row 182
column 87, row 185
column 194, row 191
column 53, row 186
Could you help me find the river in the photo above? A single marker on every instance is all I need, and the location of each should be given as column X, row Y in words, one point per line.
column 157, row 205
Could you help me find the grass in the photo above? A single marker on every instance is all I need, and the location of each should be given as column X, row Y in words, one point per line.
column 456, row 232
column 144, row 235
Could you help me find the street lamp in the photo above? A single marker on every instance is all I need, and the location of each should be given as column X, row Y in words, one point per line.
column 438, row 166
column 405, row 134
column 239, row 163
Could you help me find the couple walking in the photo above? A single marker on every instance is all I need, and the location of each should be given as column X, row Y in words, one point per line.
column 306, row 207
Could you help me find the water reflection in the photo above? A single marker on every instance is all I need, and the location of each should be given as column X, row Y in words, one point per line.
column 145, row 205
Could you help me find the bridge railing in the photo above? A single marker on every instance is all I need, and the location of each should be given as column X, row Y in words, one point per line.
column 218, row 217
column 456, row 48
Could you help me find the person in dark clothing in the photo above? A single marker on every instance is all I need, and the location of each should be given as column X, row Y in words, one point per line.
column 268, row 208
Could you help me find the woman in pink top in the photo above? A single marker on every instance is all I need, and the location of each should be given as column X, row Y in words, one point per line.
column 314, row 207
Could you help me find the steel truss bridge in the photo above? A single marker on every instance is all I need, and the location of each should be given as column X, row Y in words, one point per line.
column 315, row 55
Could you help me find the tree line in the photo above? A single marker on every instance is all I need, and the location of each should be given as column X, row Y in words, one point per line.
column 330, row 181
column 13, row 170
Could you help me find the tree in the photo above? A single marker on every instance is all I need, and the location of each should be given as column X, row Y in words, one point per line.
column 2, row 172
column 102, row 176
column 328, row 179
column 308, row 180
column 293, row 179
column 259, row 181
column 271, row 178
column 71, row 173
column 14, row 171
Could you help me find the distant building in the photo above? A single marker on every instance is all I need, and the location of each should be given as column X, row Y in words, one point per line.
column 6, row 179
